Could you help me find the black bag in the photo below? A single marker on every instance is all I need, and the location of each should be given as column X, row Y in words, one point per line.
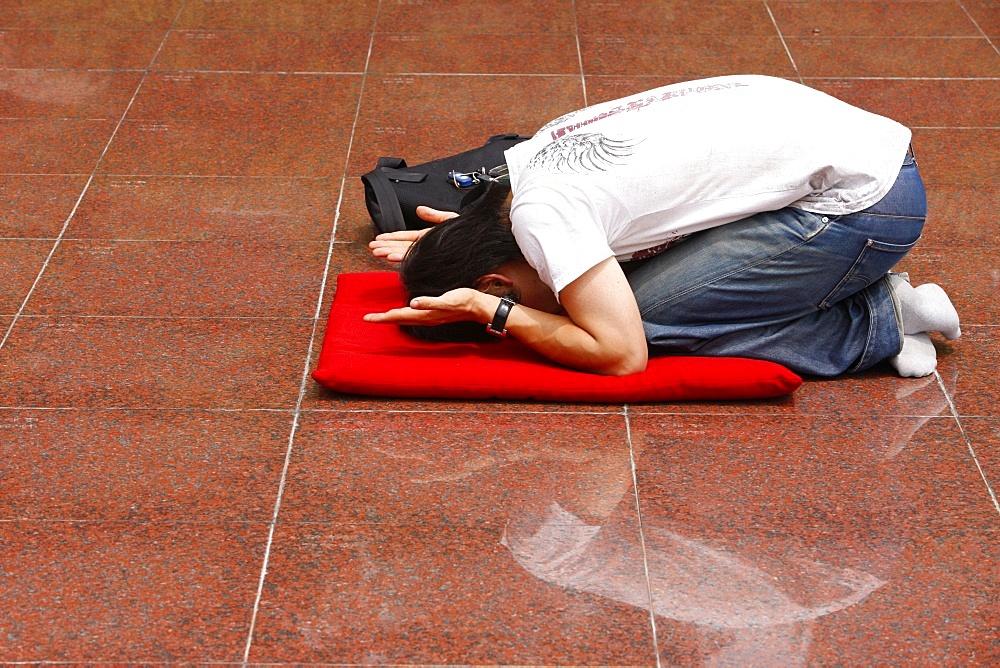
column 393, row 191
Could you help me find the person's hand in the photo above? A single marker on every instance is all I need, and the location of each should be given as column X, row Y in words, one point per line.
column 453, row 306
column 392, row 246
column 434, row 215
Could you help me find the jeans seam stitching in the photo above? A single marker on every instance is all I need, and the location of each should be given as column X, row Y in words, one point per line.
column 867, row 351
column 894, row 217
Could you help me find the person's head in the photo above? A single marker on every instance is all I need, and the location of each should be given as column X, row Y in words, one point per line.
column 462, row 253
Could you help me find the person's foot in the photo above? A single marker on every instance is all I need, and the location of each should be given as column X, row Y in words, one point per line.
column 939, row 313
column 918, row 357
column 925, row 308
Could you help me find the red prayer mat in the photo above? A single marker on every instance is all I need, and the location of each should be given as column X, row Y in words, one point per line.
column 358, row 357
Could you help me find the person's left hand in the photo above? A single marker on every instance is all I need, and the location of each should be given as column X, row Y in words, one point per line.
column 453, row 306
column 392, row 246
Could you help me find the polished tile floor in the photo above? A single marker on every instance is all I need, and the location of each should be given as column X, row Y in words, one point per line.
column 179, row 191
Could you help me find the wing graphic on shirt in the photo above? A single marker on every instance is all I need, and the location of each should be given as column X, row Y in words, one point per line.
column 587, row 152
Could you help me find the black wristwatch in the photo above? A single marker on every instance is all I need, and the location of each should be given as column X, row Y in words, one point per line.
column 499, row 325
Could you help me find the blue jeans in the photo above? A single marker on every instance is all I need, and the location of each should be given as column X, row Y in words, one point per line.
column 806, row 290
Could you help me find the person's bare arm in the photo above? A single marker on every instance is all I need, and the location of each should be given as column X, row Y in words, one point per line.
column 601, row 331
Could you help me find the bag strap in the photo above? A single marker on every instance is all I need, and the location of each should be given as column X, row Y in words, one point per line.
column 391, row 214
column 402, row 175
column 395, row 170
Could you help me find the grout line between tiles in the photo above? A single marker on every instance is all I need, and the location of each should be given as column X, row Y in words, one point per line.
column 463, row 409
column 86, row 186
column 307, row 364
column 441, row 74
column 642, row 536
column 978, row 27
column 784, row 44
column 579, row 53
column 968, row 442
column 288, row 410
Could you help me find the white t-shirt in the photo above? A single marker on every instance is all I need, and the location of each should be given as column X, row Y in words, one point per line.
column 626, row 178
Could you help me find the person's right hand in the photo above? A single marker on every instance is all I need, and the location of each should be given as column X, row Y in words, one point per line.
column 393, row 245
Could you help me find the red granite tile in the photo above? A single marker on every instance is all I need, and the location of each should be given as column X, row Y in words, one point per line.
column 37, row 206
column 443, row 16
column 986, row 14
column 967, row 274
column 404, row 116
column 846, row 491
column 607, row 88
column 303, row 130
column 196, row 279
column 66, row 94
column 128, row 592
column 78, row 49
column 346, row 258
column 960, row 215
column 788, row 520
column 52, row 146
column 247, row 97
column 239, row 149
column 354, row 224
column 983, row 434
column 921, row 102
column 475, row 53
column 972, row 362
column 20, row 262
column 685, row 56
column 470, row 469
column 153, row 363
column 331, row 15
column 893, row 57
column 852, row 18
column 674, row 17
column 142, row 465
column 180, row 208
column 78, row 14
column 959, row 157
column 452, row 595
column 934, row 607
column 264, row 51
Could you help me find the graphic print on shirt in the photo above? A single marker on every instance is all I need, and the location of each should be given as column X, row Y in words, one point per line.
column 586, row 152
column 557, row 121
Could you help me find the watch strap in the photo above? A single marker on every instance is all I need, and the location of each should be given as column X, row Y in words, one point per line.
column 499, row 325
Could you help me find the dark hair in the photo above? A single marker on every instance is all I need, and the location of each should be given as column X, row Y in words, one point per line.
column 456, row 254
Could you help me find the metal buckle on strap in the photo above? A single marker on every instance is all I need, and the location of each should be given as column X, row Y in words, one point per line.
column 465, row 180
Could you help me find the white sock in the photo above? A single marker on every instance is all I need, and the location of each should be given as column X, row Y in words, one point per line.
column 918, row 357
column 925, row 308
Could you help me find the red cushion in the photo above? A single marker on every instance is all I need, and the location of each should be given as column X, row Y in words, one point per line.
column 365, row 358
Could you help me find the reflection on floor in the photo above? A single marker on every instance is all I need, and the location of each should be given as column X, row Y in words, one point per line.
column 180, row 189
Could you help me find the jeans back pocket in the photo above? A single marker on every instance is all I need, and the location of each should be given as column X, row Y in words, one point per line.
column 873, row 262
